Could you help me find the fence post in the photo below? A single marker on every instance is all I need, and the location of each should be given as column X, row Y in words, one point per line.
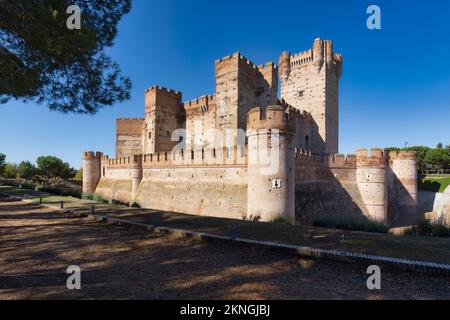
column 233, row 231
column 62, row 204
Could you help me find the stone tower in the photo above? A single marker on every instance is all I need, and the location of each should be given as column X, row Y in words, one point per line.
column 91, row 170
column 402, row 183
column 163, row 114
column 240, row 86
column 271, row 167
column 310, row 81
column 371, row 178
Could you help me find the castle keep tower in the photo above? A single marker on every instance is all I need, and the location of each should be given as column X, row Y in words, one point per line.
column 164, row 113
column 310, row 81
column 240, row 86
column 271, row 167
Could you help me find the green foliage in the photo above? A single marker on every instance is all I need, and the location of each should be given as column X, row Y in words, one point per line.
column 2, row 163
column 99, row 198
column 26, row 170
column 349, row 223
column 439, row 158
column 11, row 171
column 280, row 221
column 53, row 167
column 432, row 229
column 87, row 196
column 79, row 175
column 58, row 190
column 429, row 158
column 68, row 70
column 435, row 183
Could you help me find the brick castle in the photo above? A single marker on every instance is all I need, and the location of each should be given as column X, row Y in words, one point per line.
column 205, row 156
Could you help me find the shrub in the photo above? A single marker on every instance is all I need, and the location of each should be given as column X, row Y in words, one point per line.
column 117, row 202
column 424, row 228
column 439, row 230
column 349, row 223
column 99, row 198
column 87, row 196
column 432, row 229
column 281, row 221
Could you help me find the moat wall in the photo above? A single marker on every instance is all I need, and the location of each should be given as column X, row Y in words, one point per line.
column 216, row 191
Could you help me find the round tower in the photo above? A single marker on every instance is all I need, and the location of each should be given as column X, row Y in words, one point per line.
column 91, row 170
column 318, row 52
column 285, row 65
column 271, row 170
column 403, row 178
column 372, row 183
column 136, row 175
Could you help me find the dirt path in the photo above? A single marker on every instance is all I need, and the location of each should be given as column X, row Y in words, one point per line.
column 117, row 262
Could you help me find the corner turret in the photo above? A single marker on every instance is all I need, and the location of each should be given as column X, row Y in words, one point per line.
column 91, row 170
column 271, row 168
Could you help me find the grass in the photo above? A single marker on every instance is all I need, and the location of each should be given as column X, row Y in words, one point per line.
column 349, row 223
column 435, row 182
column 432, row 229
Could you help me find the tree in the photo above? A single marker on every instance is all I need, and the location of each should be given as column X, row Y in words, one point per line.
column 53, row 167
column 2, row 163
column 440, row 145
column 421, row 153
column 42, row 59
column 11, row 171
column 439, row 158
column 26, row 169
column 79, row 175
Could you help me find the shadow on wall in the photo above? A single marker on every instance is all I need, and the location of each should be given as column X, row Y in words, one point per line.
column 401, row 205
column 326, row 197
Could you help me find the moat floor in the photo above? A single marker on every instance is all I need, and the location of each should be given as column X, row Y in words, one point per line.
column 118, row 262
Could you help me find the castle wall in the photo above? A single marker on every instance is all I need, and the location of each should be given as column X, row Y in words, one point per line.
column 128, row 136
column 213, row 191
column 326, row 186
column 212, row 186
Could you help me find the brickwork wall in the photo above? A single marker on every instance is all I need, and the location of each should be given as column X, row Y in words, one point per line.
column 128, row 136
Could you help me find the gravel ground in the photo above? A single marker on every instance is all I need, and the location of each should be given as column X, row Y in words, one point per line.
column 119, row 262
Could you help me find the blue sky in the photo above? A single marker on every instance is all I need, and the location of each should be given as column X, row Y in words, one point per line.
column 395, row 86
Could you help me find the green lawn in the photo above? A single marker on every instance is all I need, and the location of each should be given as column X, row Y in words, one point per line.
column 435, row 182
column 34, row 196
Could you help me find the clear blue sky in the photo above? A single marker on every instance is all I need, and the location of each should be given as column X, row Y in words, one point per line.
column 395, row 85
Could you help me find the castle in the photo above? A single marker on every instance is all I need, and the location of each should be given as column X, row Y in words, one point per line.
column 243, row 153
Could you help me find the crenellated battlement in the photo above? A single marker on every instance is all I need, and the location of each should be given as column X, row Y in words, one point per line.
column 163, row 90
column 273, row 117
column 90, row 155
column 126, row 119
column 304, row 157
column 183, row 157
column 203, row 101
column 402, row 155
column 301, row 58
column 377, row 157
